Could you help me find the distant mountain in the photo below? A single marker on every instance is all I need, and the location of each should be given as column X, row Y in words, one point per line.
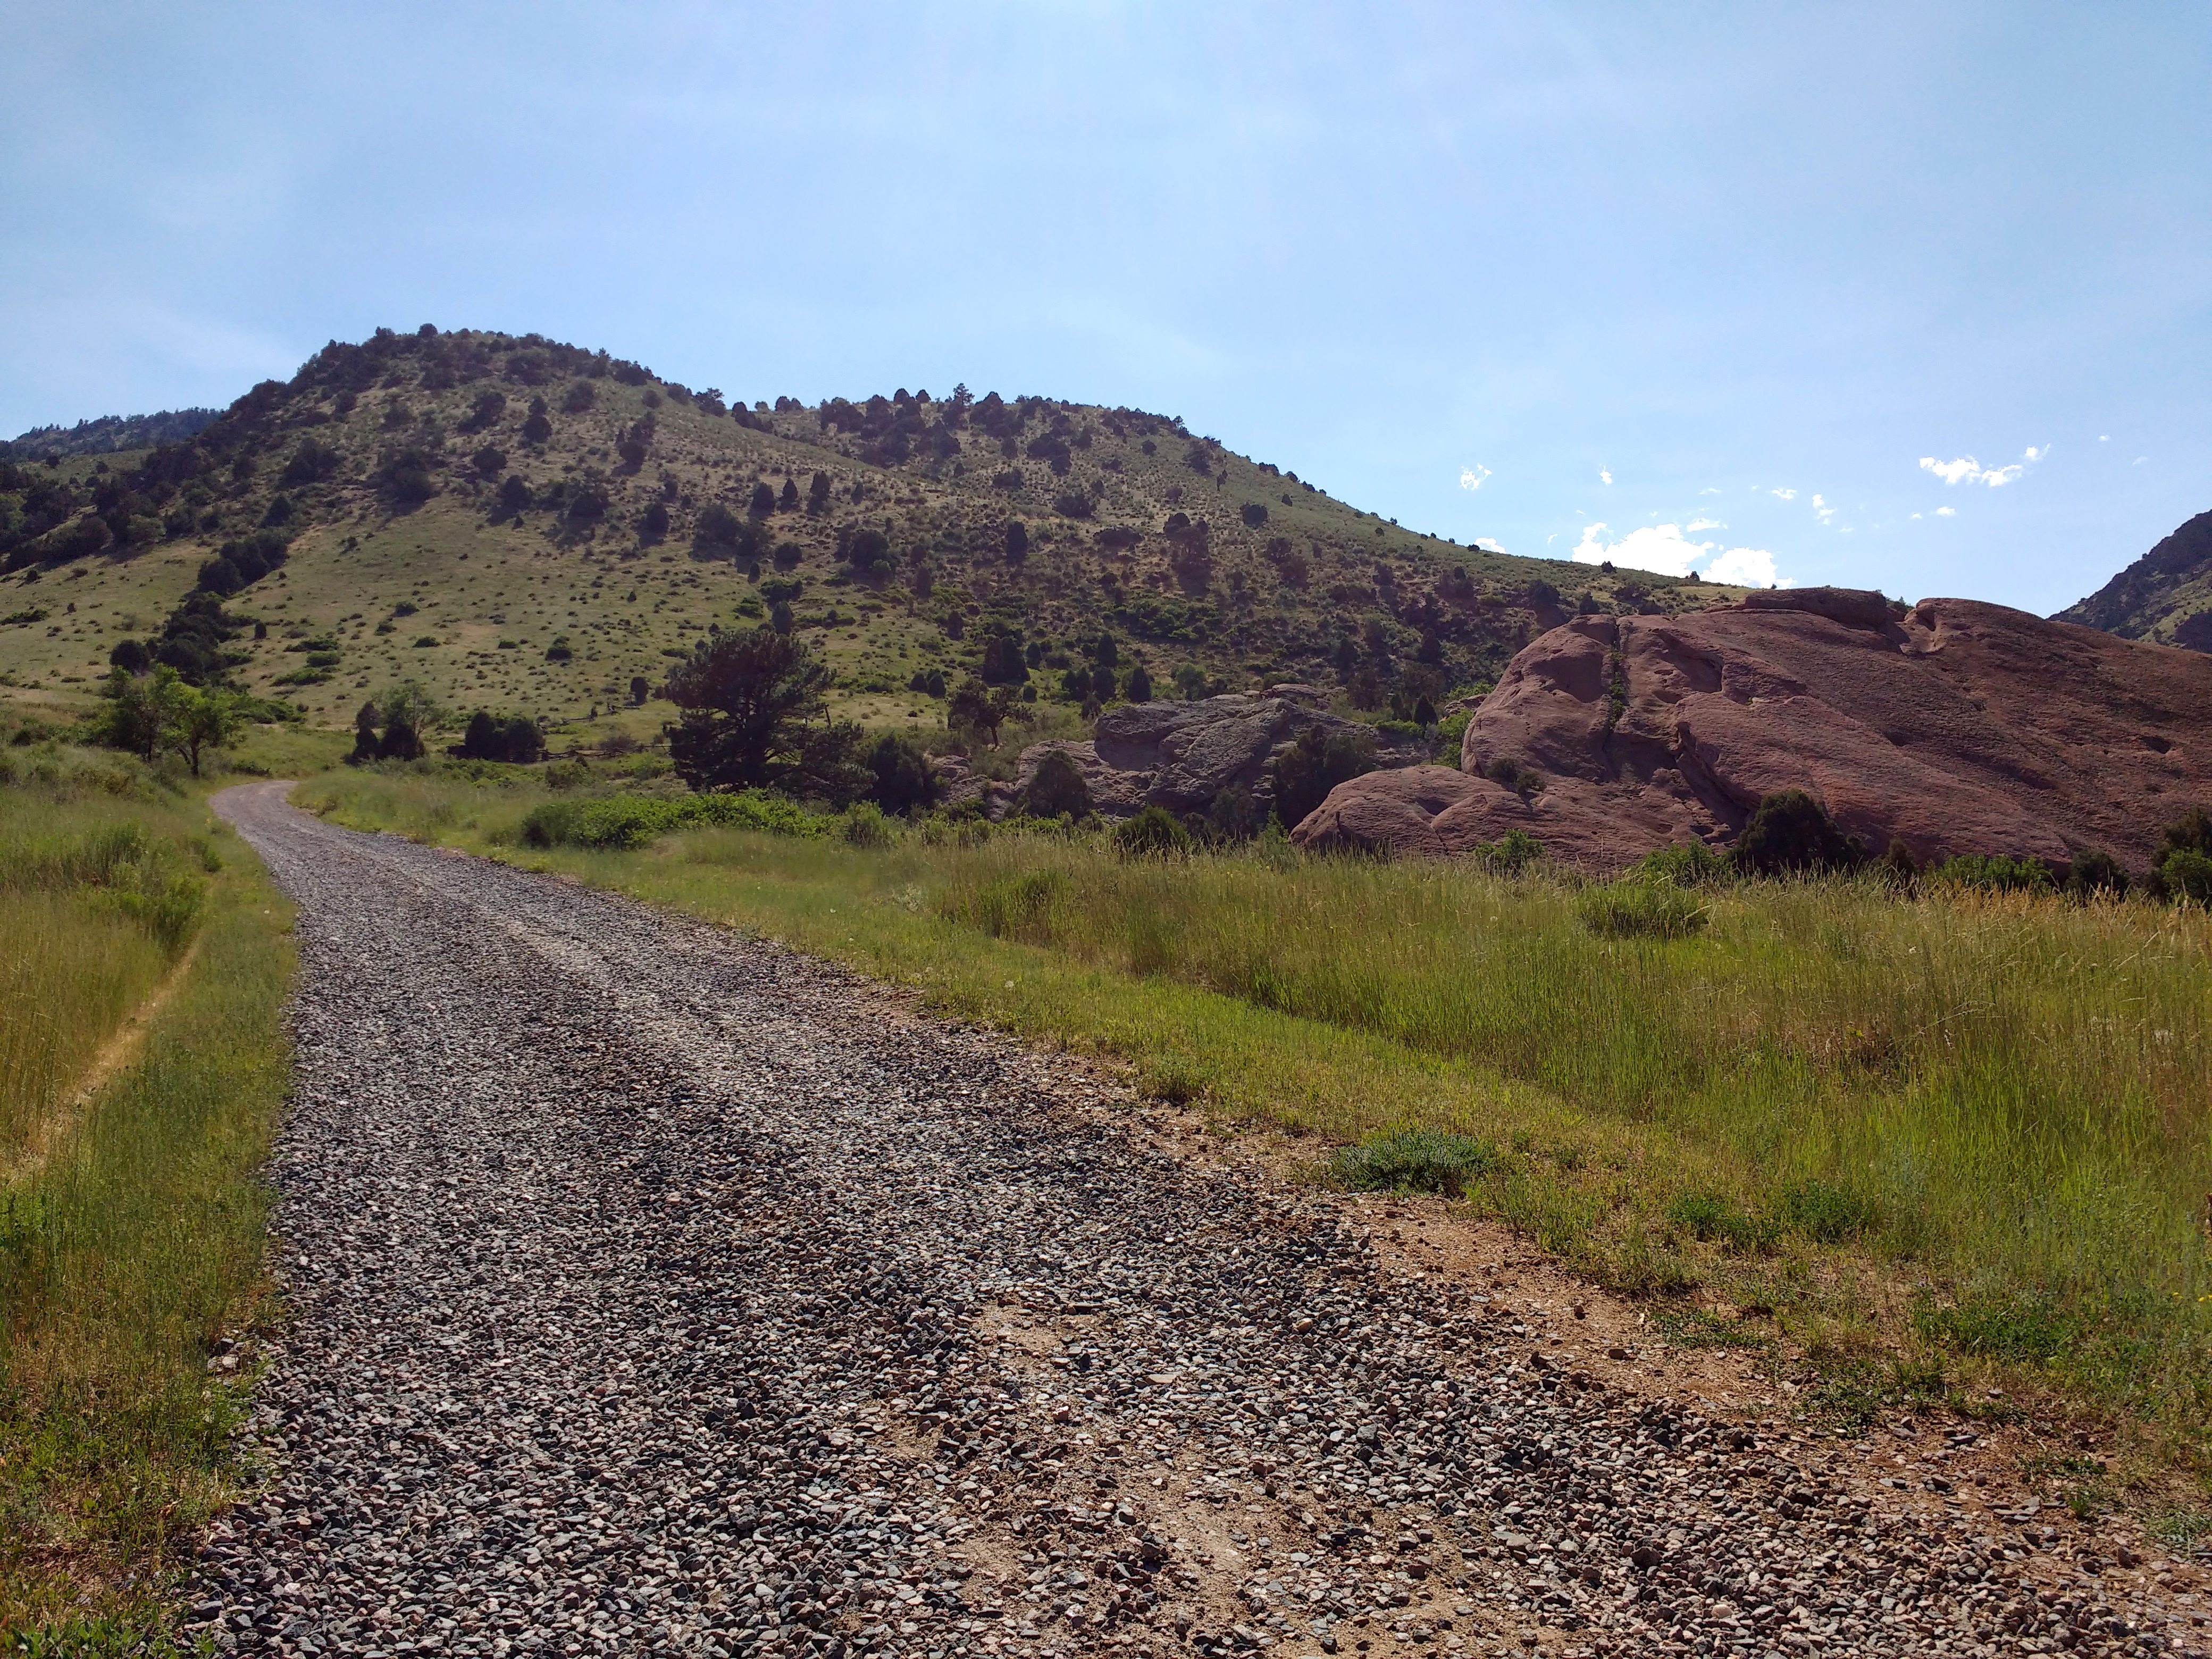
column 111, row 433
column 521, row 524
column 2165, row 596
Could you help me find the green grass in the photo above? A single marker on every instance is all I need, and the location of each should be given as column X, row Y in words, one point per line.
column 1826, row 1094
column 136, row 1238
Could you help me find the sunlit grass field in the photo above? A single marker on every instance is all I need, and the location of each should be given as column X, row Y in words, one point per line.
column 1973, row 1131
column 131, row 1213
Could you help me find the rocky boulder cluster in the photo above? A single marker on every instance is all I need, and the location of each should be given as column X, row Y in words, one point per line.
column 1952, row 727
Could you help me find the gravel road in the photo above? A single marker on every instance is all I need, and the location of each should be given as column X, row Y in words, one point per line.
column 655, row 1289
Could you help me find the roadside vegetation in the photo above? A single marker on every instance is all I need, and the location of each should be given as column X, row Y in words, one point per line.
column 1919, row 1130
column 143, row 964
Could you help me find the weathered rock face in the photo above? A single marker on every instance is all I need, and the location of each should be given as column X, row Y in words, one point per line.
column 1182, row 755
column 1957, row 727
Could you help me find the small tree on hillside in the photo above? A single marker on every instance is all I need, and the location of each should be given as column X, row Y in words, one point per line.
column 746, row 702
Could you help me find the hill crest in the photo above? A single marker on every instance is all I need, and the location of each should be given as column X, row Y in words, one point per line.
column 521, row 524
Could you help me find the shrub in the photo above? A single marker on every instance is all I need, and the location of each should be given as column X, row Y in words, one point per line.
column 1514, row 851
column 1995, row 873
column 1255, row 515
column 516, row 738
column 865, row 825
column 2095, row 872
column 904, row 782
column 1690, row 863
column 1640, row 909
column 1826, row 1214
column 2188, row 875
column 1058, row 789
column 1414, row 1161
column 1306, row 771
column 1522, row 780
column 1153, row 832
column 1791, row 834
column 631, row 821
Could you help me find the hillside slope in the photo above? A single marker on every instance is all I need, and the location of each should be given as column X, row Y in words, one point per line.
column 110, row 434
column 2166, row 595
column 517, row 524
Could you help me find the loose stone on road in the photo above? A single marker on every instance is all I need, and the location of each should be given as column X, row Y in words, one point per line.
column 656, row 1289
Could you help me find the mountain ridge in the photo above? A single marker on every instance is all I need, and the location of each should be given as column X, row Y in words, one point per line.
column 2165, row 597
column 519, row 523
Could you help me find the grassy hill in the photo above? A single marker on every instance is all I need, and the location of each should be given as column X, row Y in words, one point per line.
column 526, row 526
column 2165, row 596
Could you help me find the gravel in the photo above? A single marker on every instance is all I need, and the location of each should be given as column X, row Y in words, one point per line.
column 657, row 1289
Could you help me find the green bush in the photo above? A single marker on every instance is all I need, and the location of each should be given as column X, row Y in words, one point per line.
column 631, row 821
column 865, row 825
column 1791, row 834
column 1994, row 873
column 1153, row 832
column 1414, row 1161
column 1691, row 864
column 1640, row 909
column 2188, row 876
column 1514, row 851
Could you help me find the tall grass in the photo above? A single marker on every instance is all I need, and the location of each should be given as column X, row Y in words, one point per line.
column 98, row 894
column 1819, row 1095
column 135, row 1239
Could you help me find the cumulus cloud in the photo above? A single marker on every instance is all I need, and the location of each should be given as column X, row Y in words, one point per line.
column 1822, row 511
column 1605, row 474
column 1696, row 524
column 1947, row 512
column 1665, row 549
column 1964, row 468
column 1786, row 494
column 1472, row 478
column 1745, row 566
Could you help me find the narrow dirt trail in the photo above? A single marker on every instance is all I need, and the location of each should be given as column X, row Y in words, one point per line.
column 657, row 1290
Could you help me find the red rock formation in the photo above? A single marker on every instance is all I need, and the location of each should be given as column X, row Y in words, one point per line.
column 1957, row 727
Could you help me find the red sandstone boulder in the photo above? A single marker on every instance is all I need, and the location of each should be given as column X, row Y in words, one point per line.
column 1957, row 727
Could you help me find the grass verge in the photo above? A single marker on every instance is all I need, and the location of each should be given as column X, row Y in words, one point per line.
column 135, row 1240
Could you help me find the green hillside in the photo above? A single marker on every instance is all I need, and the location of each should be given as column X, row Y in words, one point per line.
column 521, row 524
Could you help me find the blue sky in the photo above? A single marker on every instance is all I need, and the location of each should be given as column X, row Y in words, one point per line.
column 1914, row 297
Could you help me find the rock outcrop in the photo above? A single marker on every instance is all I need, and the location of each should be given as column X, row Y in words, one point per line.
column 1182, row 755
column 1955, row 726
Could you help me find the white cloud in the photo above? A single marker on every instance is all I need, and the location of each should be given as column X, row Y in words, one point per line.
column 1472, row 478
column 1489, row 544
column 1786, row 494
column 1696, row 524
column 1745, row 566
column 1666, row 550
column 1605, row 474
column 1822, row 511
column 1915, row 515
column 1949, row 472
column 1966, row 469
column 1947, row 512
column 1709, row 490
column 2104, row 437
